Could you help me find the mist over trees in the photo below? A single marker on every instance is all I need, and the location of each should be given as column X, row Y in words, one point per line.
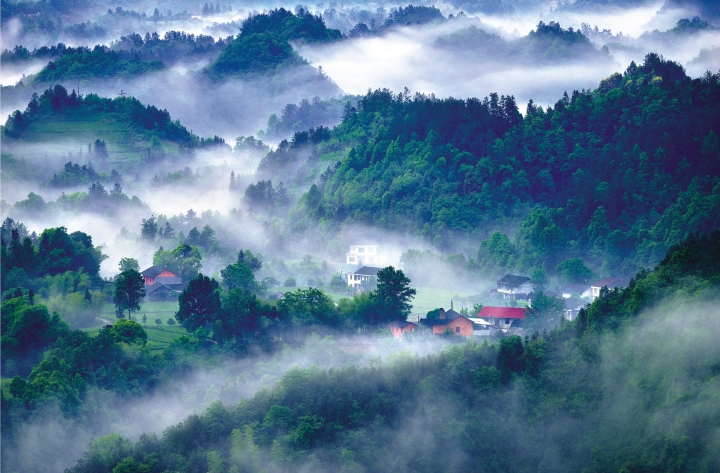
column 319, row 283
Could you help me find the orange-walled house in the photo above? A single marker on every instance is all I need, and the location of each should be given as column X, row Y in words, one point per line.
column 399, row 328
column 450, row 321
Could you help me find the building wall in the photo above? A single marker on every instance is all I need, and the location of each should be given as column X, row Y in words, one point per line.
column 398, row 332
column 460, row 326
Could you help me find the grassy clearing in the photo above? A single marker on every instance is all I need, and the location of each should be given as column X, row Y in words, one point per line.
column 5, row 385
column 430, row 298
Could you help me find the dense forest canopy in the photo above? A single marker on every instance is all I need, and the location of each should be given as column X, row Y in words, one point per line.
column 370, row 279
column 606, row 174
column 264, row 42
column 55, row 103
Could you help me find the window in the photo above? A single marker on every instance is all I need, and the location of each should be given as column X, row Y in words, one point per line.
column 361, row 250
column 507, row 321
column 457, row 329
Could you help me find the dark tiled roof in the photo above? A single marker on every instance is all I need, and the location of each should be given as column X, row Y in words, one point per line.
column 367, row 271
column 574, row 304
column 153, row 271
column 451, row 314
column 401, row 324
column 163, row 288
column 445, row 321
column 513, row 280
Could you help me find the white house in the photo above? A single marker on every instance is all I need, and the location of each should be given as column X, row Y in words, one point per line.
column 363, row 254
column 361, row 275
column 515, row 287
column 611, row 283
column 572, row 308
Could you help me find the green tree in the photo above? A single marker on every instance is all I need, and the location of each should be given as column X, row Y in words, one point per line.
column 129, row 263
column 545, row 313
column 149, row 229
column 185, row 260
column 238, row 275
column 129, row 291
column 199, row 303
column 573, row 270
column 393, row 295
column 308, row 307
column 129, row 331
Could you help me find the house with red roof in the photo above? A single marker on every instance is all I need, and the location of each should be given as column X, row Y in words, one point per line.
column 502, row 317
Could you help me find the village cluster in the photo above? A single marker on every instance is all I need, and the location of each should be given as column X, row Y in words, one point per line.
column 163, row 284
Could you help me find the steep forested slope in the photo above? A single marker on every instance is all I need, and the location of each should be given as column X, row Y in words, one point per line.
column 615, row 175
column 631, row 385
column 264, row 43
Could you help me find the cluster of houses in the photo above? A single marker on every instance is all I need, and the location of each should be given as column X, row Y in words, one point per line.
column 491, row 319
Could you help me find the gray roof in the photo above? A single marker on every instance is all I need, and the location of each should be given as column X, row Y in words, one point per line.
column 575, row 304
column 160, row 288
column 367, row 271
column 400, row 324
column 153, row 271
column 514, row 280
column 576, row 288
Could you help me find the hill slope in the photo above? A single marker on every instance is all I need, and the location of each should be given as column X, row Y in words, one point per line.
column 625, row 387
column 614, row 176
column 132, row 131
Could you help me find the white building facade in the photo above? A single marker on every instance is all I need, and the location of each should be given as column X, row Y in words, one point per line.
column 363, row 255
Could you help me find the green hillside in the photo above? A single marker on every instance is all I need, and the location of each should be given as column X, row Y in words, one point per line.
column 606, row 176
column 132, row 132
column 622, row 388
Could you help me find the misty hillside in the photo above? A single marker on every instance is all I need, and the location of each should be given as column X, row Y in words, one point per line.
column 630, row 385
column 131, row 129
column 584, row 177
column 356, row 237
column 263, row 44
column 547, row 44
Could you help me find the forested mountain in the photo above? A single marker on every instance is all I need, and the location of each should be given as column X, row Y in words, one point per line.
column 631, row 385
column 264, row 43
column 546, row 44
column 145, row 122
column 99, row 63
column 607, row 175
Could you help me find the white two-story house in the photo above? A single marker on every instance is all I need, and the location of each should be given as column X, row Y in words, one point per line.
column 364, row 255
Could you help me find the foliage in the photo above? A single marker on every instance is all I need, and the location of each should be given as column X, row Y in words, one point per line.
column 101, row 62
column 263, row 44
column 146, row 121
column 393, row 294
column 27, row 330
column 199, row 302
column 603, row 174
column 129, row 331
column 126, row 264
column 184, row 260
column 129, row 291
column 569, row 383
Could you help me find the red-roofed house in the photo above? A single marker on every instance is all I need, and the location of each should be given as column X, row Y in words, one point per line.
column 502, row 317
